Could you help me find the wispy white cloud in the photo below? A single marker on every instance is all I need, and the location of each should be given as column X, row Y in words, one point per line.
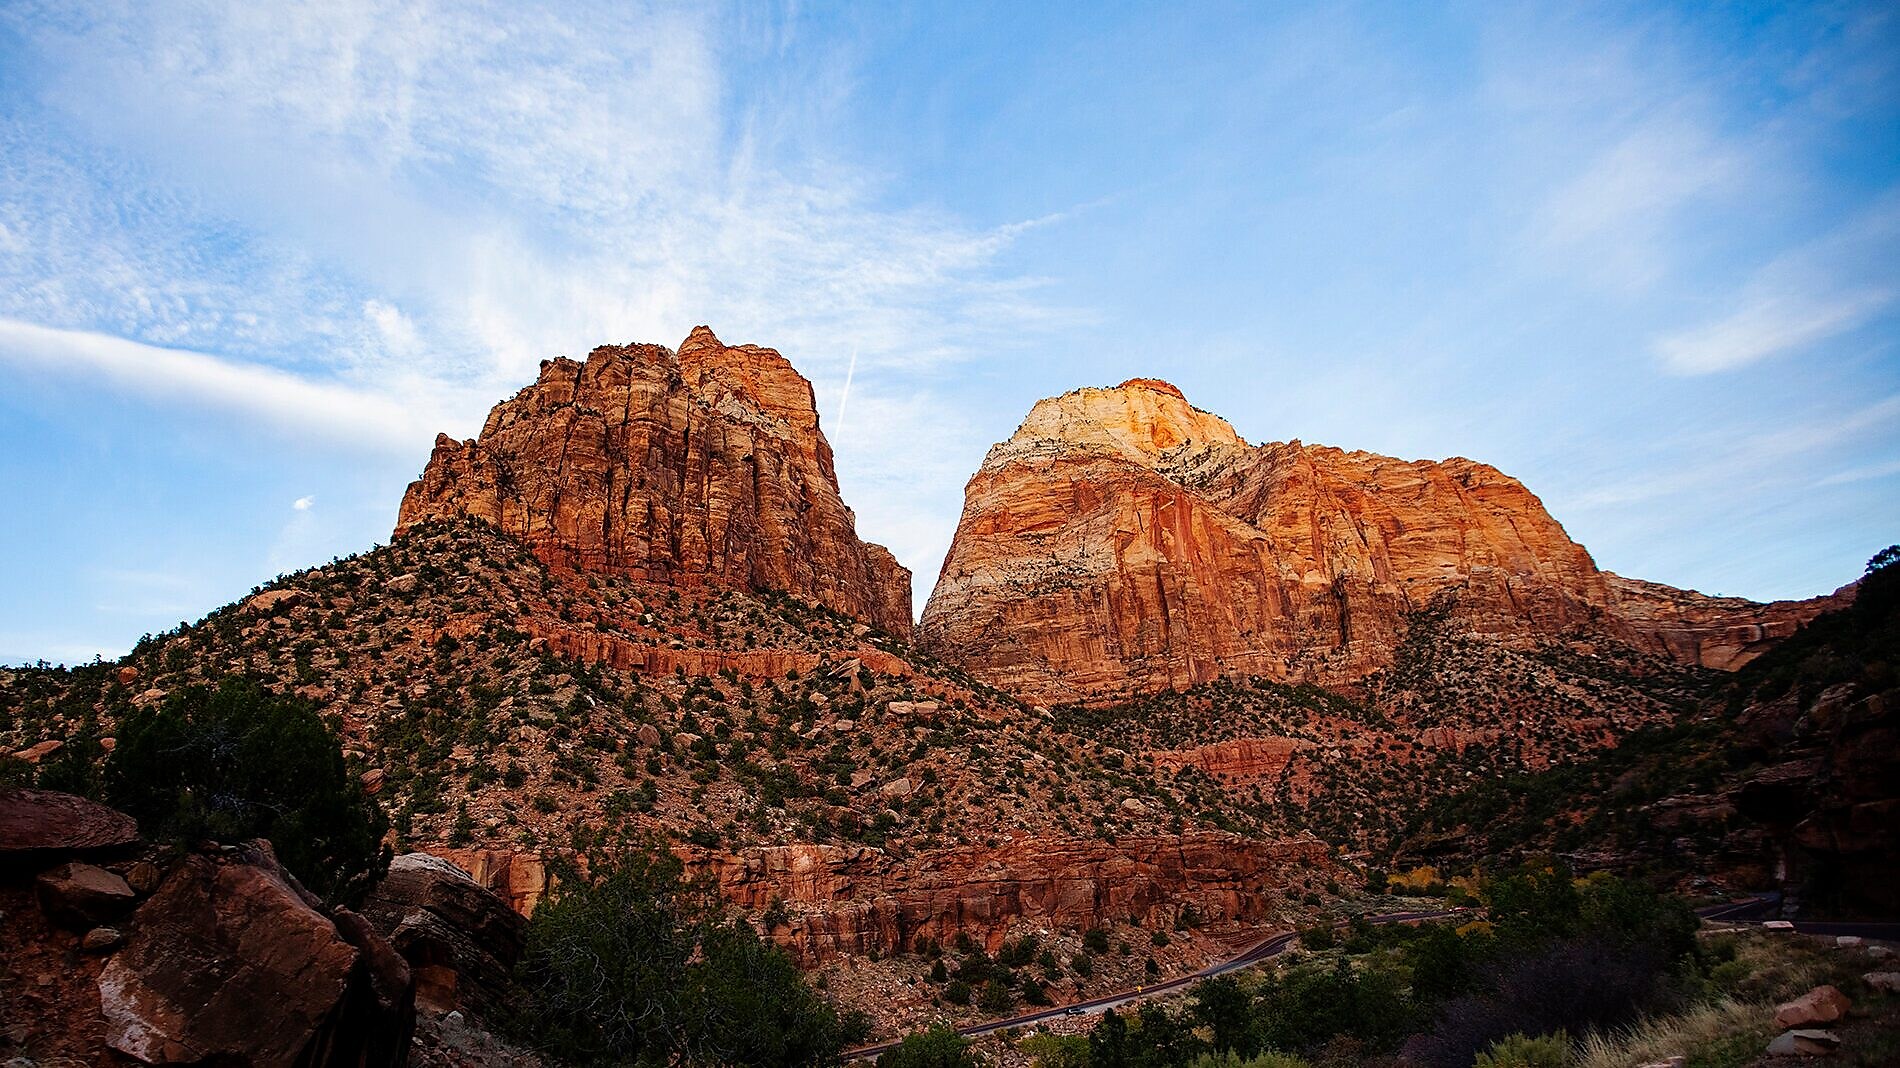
column 1728, row 456
column 272, row 397
column 1613, row 219
column 1801, row 297
column 298, row 539
column 1862, row 474
column 533, row 181
column 410, row 210
column 1768, row 323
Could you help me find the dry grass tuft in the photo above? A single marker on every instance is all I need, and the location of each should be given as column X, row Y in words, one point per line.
column 1703, row 1034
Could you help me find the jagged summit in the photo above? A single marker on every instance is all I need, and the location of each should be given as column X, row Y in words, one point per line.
column 1144, row 421
column 701, row 465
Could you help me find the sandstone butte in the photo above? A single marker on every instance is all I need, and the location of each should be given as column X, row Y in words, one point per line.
column 1124, row 541
column 705, row 465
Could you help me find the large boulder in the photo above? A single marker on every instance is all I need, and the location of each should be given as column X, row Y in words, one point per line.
column 48, row 822
column 1823, row 1004
column 232, row 961
column 460, row 938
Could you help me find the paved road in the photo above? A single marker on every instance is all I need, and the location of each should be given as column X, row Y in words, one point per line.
column 1270, row 946
column 1768, row 907
column 1745, row 910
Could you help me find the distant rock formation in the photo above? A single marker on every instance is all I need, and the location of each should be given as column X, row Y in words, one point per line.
column 852, row 899
column 704, row 465
column 1124, row 541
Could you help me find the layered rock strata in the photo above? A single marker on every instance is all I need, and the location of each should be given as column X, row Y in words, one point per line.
column 702, row 465
column 845, row 899
column 461, row 940
column 850, row 899
column 1124, row 541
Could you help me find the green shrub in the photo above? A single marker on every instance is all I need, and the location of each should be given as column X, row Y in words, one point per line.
column 1056, row 1051
column 1522, row 1051
column 1230, row 1059
column 631, row 965
column 1319, row 937
column 939, row 1047
column 242, row 762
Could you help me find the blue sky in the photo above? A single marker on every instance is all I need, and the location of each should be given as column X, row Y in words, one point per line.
column 253, row 257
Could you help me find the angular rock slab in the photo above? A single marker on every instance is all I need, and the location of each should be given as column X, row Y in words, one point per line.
column 82, row 896
column 461, row 940
column 1805, row 1044
column 46, row 821
column 231, row 961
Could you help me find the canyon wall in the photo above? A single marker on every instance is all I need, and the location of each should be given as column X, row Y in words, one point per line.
column 851, row 899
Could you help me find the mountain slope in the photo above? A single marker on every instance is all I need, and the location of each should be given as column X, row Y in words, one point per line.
column 1781, row 779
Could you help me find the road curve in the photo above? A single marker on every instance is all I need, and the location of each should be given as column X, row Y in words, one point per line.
column 1270, row 946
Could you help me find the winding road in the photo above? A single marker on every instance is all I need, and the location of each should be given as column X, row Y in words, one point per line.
column 1270, row 946
column 1746, row 910
column 1764, row 907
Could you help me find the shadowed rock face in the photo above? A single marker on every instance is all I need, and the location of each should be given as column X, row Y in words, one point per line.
column 704, row 465
column 460, row 939
column 1124, row 541
column 852, row 899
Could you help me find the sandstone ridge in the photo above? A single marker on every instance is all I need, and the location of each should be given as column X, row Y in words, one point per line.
column 704, row 465
column 1123, row 541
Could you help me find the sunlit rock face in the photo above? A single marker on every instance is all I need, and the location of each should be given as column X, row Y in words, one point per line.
column 1124, row 541
column 701, row 465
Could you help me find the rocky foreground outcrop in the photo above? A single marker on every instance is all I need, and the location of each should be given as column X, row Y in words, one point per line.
column 461, row 940
column 231, row 959
column 1124, row 541
column 113, row 951
column 702, row 465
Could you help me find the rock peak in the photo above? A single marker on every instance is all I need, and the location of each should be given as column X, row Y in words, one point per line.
column 705, row 466
column 1143, row 420
column 1124, row 541
column 701, row 337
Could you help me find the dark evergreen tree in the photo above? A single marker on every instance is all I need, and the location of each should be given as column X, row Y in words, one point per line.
column 240, row 762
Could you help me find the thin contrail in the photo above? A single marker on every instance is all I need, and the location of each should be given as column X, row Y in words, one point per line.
column 846, row 395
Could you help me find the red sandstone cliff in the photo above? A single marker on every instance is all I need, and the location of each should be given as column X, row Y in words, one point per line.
column 1124, row 541
column 856, row 899
column 701, row 465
